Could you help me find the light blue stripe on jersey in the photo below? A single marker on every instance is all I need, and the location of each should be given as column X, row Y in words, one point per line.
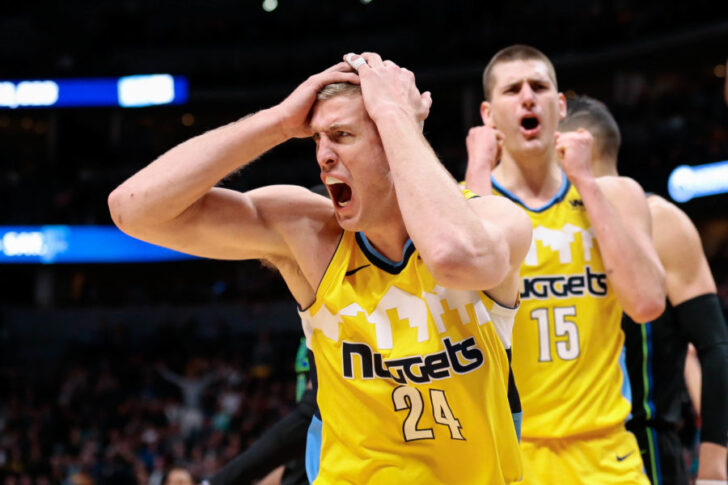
column 313, row 449
column 626, row 385
column 517, row 419
column 563, row 189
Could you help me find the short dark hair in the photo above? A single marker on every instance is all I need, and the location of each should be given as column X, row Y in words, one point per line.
column 594, row 116
column 516, row 52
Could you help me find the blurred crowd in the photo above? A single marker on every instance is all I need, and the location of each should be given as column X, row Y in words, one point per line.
column 114, row 413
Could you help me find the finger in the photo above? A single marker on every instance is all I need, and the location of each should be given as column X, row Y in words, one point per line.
column 409, row 73
column 339, row 77
column 355, row 61
column 345, row 77
column 372, row 58
column 490, row 123
column 427, row 99
column 340, row 67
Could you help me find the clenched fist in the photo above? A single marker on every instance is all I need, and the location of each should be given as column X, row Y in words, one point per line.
column 485, row 146
column 574, row 150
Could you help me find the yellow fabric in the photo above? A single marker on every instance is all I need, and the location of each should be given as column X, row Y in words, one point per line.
column 612, row 458
column 455, row 425
column 567, row 338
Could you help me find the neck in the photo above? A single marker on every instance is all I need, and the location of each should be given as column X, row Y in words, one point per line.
column 534, row 178
column 388, row 240
column 603, row 167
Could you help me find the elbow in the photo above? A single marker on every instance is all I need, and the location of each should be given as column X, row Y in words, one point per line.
column 647, row 309
column 463, row 268
column 114, row 202
column 121, row 209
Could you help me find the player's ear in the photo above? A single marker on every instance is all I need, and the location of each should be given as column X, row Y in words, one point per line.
column 562, row 106
column 485, row 113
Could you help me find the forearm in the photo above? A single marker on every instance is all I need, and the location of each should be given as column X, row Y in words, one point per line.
column 701, row 320
column 477, row 176
column 712, row 462
column 438, row 218
column 175, row 181
column 633, row 270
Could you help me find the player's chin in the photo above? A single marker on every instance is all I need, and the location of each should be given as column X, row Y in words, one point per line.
column 348, row 222
column 531, row 146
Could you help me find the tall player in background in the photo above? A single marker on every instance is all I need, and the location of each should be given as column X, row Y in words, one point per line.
column 656, row 350
column 591, row 256
column 391, row 277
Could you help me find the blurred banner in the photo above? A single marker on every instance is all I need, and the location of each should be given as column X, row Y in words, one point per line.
column 688, row 182
column 78, row 244
column 128, row 92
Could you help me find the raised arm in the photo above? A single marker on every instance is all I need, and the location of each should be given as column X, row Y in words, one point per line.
column 619, row 215
column 462, row 244
column 485, row 145
column 692, row 292
column 172, row 202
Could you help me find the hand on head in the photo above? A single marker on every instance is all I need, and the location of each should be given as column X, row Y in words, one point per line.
column 387, row 86
column 295, row 109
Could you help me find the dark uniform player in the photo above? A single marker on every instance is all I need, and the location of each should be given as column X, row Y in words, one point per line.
column 656, row 351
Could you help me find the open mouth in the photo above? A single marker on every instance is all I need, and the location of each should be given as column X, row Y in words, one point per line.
column 530, row 122
column 340, row 192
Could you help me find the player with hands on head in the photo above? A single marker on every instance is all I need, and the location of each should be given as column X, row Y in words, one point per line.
column 591, row 256
column 655, row 352
column 407, row 286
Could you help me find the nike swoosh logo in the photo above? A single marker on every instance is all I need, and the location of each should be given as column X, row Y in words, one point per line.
column 351, row 272
column 622, row 458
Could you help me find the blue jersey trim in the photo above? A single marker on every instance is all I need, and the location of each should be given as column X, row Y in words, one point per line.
column 517, row 419
column 626, row 384
column 381, row 261
column 565, row 186
column 313, row 449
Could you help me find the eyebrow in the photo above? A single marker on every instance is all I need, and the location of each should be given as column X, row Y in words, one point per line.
column 339, row 126
column 335, row 126
column 528, row 80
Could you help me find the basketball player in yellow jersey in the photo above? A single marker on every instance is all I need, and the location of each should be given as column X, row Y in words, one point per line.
column 410, row 352
column 591, row 257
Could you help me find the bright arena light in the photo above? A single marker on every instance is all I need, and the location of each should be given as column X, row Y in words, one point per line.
column 128, row 91
column 688, row 182
column 270, row 5
column 145, row 90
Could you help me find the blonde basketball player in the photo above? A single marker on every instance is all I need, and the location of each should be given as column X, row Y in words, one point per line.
column 409, row 351
column 591, row 256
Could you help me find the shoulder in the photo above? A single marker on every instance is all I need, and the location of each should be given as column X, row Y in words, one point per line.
column 673, row 232
column 665, row 211
column 680, row 249
column 616, row 186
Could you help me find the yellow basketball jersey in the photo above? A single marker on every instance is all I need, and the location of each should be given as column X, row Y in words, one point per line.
column 567, row 339
column 412, row 377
